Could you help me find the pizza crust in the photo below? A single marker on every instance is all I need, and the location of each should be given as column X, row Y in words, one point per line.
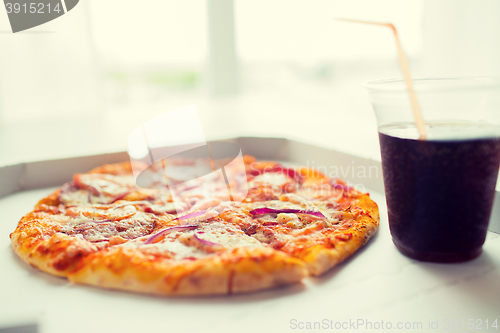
column 123, row 168
column 241, row 270
column 51, row 200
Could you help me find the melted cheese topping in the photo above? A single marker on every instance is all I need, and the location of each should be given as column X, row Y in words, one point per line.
column 293, row 220
column 226, row 235
column 78, row 197
column 109, row 184
column 177, row 250
column 95, row 231
column 271, row 179
column 96, row 188
column 100, row 212
column 290, row 220
column 183, row 245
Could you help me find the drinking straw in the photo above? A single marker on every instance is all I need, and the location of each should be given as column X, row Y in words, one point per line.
column 405, row 68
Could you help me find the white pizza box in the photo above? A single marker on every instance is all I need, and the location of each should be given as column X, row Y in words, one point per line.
column 376, row 289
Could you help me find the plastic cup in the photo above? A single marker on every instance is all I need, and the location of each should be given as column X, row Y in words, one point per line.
column 440, row 190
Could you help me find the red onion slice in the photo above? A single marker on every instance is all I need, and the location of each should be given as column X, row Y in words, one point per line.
column 92, row 189
column 191, row 215
column 195, row 218
column 187, row 188
column 167, row 231
column 131, row 203
column 261, row 211
column 120, row 196
column 66, row 189
column 102, row 221
column 205, row 242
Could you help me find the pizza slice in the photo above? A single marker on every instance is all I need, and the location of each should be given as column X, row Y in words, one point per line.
column 320, row 233
column 55, row 239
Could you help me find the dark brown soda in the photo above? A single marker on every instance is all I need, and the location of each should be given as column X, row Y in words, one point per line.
column 439, row 194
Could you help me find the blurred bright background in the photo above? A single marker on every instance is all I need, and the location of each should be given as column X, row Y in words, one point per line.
column 79, row 84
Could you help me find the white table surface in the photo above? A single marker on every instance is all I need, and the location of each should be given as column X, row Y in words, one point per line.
column 376, row 284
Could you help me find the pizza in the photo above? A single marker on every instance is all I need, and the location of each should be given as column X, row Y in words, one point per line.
column 102, row 229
